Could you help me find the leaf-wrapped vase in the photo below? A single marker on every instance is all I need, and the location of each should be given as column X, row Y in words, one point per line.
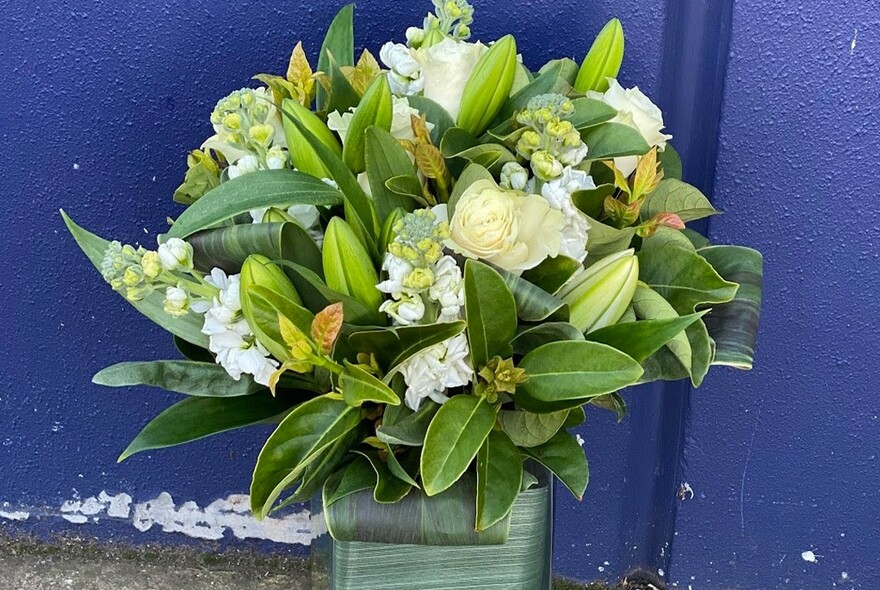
column 429, row 543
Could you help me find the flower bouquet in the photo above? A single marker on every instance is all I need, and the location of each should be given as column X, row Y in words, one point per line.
column 423, row 269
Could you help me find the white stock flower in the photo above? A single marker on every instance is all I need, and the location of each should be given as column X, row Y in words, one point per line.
column 446, row 68
column 637, row 111
column 174, row 253
column 242, row 166
column 397, row 269
column 558, row 194
column 176, row 301
column 263, row 100
column 430, row 372
column 448, row 289
column 405, row 77
column 230, row 337
column 507, row 228
column 406, row 310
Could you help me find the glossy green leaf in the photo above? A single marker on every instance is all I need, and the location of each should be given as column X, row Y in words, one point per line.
column 358, row 475
column 566, row 374
column 335, row 458
column 675, row 196
column 389, row 488
column 535, row 336
column 612, row 140
column 576, row 416
column 392, row 346
column 435, row 114
column 339, row 42
column 533, row 304
column 358, row 386
column 491, row 313
column 374, row 110
column 642, row 339
column 491, row 156
column 499, row 479
column 553, row 79
column 670, row 162
column 404, row 464
column 453, row 439
column 308, row 430
column 343, row 96
column 198, row 417
column 186, row 377
column 192, row 352
column 565, row 458
column 604, row 240
column 263, row 308
column 188, row 327
column 527, row 429
column 613, row 402
column 552, row 273
column 589, row 112
column 411, row 430
column 663, row 364
column 734, row 326
column 264, row 188
column 603, row 60
column 385, row 160
column 592, row 201
column 228, row 247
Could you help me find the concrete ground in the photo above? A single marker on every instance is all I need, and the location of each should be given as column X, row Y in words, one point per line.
column 78, row 564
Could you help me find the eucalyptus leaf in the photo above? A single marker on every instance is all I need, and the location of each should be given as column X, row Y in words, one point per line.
column 453, row 440
column 562, row 375
column 188, row 327
column 198, row 417
column 491, row 311
column 565, row 458
column 263, row 188
column 186, row 377
column 499, row 479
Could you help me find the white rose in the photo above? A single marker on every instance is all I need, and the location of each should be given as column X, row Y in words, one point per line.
column 637, row 111
column 446, row 68
column 507, row 228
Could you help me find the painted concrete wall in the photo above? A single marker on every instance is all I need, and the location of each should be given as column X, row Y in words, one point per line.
column 106, row 98
column 784, row 462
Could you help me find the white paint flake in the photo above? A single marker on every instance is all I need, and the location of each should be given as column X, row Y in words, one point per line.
column 580, row 440
column 852, row 46
column 19, row 515
column 75, row 166
column 809, row 557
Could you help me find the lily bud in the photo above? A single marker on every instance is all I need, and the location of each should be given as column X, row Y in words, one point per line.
column 302, row 154
column 488, row 86
column 258, row 270
column 276, row 215
column 603, row 60
column 374, row 110
column 599, row 295
column 347, row 265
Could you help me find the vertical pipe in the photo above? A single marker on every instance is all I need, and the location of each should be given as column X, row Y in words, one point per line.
column 695, row 51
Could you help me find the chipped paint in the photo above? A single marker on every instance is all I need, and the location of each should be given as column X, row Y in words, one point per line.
column 220, row 518
column 809, row 557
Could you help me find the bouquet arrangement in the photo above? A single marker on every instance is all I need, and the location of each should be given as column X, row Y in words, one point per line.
column 426, row 266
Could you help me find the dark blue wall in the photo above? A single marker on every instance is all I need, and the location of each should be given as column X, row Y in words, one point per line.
column 786, row 459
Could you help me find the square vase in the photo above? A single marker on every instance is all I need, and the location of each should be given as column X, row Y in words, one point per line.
column 447, row 556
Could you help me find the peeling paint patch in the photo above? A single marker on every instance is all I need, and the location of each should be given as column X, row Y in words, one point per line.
column 809, row 557
column 19, row 515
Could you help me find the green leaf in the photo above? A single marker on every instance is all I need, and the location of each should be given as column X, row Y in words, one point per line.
column 589, row 112
column 613, row 402
column 199, row 417
column 680, row 275
column 375, row 111
column 490, row 310
column 358, row 475
column 670, row 162
column 409, row 431
column 308, row 430
column 453, row 439
column 188, row 327
column 553, row 79
column 527, row 429
column 603, row 60
column 392, row 346
column 228, row 247
column 533, row 304
column 697, row 239
column 302, row 155
column 576, row 416
column 592, row 201
column 186, row 377
column 533, row 337
column 642, row 339
column 264, row 188
column 406, row 467
column 263, row 306
column 675, row 359
column 339, row 41
column 734, row 326
column 386, row 160
column 389, row 488
column 343, row 96
column 675, row 196
column 612, row 140
column 191, row 351
column 336, row 457
column 664, row 365
column 566, row 374
column 491, row 156
column 359, row 386
column 499, row 478
column 604, row 240
column 565, row 458
column 552, row 273
column 435, row 114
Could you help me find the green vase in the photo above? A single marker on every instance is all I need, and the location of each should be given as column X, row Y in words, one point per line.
column 423, row 543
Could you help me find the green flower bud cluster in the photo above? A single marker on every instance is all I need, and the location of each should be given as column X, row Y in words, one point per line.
column 130, row 271
column 451, row 18
column 498, row 377
column 419, row 241
column 548, row 139
column 242, row 121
